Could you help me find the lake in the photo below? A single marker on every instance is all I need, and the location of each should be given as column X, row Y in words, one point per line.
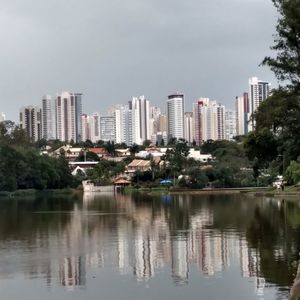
column 145, row 246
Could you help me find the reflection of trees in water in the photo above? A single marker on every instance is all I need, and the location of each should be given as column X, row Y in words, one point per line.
column 167, row 231
column 20, row 216
column 276, row 242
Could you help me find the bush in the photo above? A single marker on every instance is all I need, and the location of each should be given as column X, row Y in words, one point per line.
column 292, row 174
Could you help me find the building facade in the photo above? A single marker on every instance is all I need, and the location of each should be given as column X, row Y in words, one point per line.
column 230, row 124
column 242, row 114
column 175, row 116
column 48, row 118
column 107, row 128
column 258, row 92
column 189, row 127
column 68, row 117
column 30, row 118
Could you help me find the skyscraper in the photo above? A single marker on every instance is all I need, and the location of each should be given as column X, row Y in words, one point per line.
column 107, row 128
column 198, row 112
column 219, row 121
column 48, row 118
column 230, row 124
column 258, row 92
column 85, row 127
column 31, row 122
column 68, row 116
column 123, row 124
column 140, row 108
column 188, row 127
column 175, row 116
column 209, row 120
column 95, row 127
column 242, row 114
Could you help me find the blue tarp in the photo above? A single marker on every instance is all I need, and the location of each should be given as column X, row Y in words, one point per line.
column 166, row 181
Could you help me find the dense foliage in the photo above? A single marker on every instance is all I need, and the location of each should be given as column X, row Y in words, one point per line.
column 22, row 166
column 275, row 142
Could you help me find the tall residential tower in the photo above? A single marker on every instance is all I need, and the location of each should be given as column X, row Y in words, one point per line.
column 175, row 116
column 31, row 121
column 68, row 116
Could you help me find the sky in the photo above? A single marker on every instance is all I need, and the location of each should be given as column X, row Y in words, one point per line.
column 113, row 50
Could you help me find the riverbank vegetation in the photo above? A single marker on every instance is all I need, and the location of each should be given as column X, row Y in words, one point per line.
column 23, row 167
column 275, row 141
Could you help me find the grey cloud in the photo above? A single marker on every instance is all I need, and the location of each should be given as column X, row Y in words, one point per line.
column 111, row 50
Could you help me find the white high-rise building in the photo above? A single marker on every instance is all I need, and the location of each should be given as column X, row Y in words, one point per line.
column 189, row 127
column 95, row 127
column 31, row 122
column 123, row 124
column 68, row 116
column 140, row 108
column 90, row 127
column 230, row 124
column 48, row 118
column 136, row 121
column 258, row 91
column 218, row 121
column 209, row 120
column 107, row 128
column 85, row 127
column 2, row 117
column 175, row 116
column 154, row 120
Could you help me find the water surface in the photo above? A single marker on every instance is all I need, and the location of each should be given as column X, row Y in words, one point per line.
column 148, row 247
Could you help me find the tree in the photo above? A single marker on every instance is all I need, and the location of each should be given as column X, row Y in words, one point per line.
column 277, row 128
column 88, row 144
column 134, row 149
column 146, row 143
column 286, row 64
column 293, row 173
column 87, row 156
column 110, row 148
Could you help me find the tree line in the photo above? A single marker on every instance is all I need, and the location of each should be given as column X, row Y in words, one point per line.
column 275, row 141
column 22, row 166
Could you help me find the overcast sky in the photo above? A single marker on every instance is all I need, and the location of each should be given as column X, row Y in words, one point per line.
column 112, row 50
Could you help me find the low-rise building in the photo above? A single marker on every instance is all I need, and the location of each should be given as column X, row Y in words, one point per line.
column 138, row 165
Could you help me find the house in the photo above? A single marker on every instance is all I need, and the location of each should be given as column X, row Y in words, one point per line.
column 82, row 165
column 68, row 151
column 101, row 151
column 153, row 151
column 123, row 152
column 195, row 154
column 78, row 170
column 138, row 165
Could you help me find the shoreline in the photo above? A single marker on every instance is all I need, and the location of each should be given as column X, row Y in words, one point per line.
column 251, row 191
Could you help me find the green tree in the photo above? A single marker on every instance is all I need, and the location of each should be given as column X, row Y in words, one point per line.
column 134, row 149
column 88, row 144
column 293, row 173
column 286, row 63
column 110, row 148
column 87, row 156
column 277, row 127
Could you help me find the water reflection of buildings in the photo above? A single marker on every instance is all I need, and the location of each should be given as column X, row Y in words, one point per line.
column 137, row 240
column 72, row 272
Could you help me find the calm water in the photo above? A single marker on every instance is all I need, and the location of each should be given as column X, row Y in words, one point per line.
column 148, row 247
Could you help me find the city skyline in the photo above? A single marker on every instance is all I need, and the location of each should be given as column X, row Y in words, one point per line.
column 112, row 53
column 139, row 121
